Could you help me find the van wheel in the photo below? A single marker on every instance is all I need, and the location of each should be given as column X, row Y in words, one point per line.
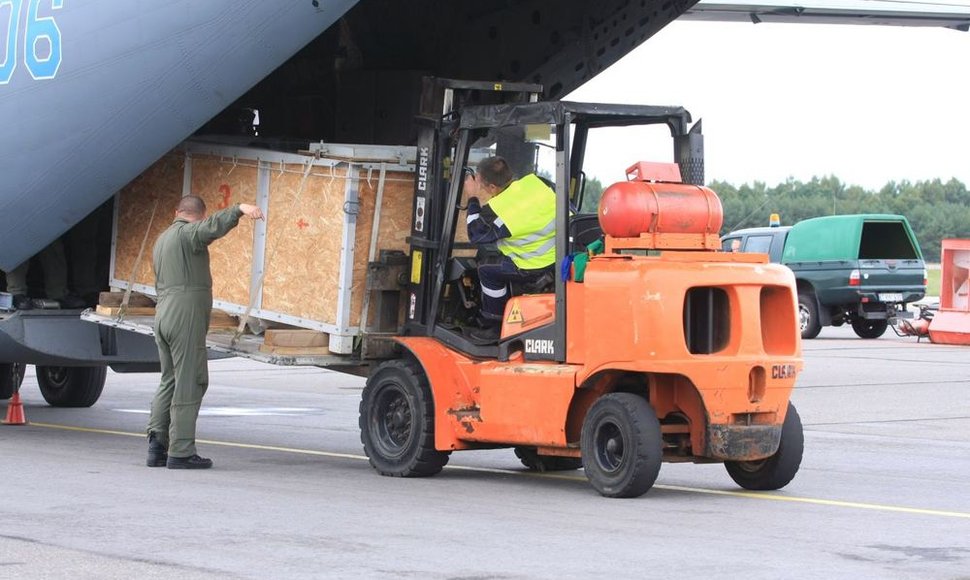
column 869, row 328
column 808, row 321
column 777, row 471
column 71, row 386
column 397, row 421
column 622, row 446
column 11, row 376
column 531, row 459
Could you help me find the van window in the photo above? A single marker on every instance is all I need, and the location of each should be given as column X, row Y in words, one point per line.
column 886, row 241
column 730, row 244
column 758, row 244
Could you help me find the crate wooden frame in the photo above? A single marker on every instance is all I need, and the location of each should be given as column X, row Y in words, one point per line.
column 368, row 174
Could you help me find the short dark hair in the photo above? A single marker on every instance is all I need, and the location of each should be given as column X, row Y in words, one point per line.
column 495, row 171
column 192, row 204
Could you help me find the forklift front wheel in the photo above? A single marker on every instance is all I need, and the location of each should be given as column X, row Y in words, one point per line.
column 777, row 471
column 397, row 421
column 622, row 445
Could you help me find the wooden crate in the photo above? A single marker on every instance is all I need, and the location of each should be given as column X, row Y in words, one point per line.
column 312, row 250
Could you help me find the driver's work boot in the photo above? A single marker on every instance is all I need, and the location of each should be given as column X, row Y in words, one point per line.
column 157, row 453
column 488, row 335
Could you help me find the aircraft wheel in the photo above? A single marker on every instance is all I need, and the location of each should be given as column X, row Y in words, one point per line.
column 622, row 446
column 397, row 421
column 71, row 386
column 777, row 471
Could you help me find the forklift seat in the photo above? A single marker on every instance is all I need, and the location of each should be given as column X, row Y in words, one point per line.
column 584, row 229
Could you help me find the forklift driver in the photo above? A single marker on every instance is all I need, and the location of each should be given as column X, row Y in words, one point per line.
column 519, row 216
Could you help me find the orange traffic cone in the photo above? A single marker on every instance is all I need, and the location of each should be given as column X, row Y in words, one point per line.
column 15, row 411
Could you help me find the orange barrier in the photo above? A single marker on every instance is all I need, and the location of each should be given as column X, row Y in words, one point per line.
column 15, row 411
column 951, row 325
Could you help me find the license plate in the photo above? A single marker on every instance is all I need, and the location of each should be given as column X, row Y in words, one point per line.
column 890, row 297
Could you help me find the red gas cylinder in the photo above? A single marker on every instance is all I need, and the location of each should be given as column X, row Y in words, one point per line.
column 628, row 209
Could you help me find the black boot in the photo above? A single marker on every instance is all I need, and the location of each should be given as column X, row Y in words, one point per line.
column 157, row 453
column 487, row 335
column 193, row 462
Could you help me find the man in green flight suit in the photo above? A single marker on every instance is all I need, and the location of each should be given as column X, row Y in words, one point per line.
column 184, row 286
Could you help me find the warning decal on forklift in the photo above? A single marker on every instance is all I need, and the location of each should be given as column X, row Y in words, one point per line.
column 515, row 314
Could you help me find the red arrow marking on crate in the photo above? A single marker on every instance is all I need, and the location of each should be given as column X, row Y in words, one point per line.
column 302, row 224
column 226, row 194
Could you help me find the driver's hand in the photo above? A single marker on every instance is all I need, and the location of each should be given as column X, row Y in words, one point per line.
column 471, row 186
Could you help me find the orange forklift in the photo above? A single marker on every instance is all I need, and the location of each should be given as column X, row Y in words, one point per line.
column 663, row 349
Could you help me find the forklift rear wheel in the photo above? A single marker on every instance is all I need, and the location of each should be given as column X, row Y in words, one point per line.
column 777, row 471
column 11, row 375
column 397, row 421
column 622, row 446
column 71, row 386
column 869, row 328
column 531, row 459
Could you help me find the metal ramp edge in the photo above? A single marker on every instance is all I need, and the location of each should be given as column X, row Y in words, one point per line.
column 221, row 341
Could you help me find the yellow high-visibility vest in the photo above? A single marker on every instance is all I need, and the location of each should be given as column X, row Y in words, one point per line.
column 527, row 208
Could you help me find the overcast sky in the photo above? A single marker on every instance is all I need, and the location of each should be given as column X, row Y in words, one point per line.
column 867, row 104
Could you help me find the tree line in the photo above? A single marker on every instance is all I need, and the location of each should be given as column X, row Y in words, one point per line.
column 935, row 209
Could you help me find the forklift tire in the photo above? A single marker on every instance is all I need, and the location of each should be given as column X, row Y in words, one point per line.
column 11, row 375
column 869, row 328
column 622, row 446
column 397, row 421
column 71, row 386
column 531, row 459
column 808, row 321
column 777, row 471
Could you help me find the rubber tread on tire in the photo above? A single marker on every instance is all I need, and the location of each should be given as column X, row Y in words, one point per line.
column 869, row 328
column 397, row 421
column 71, row 386
column 777, row 471
column 622, row 445
column 808, row 309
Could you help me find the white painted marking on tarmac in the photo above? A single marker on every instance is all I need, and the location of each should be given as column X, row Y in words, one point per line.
column 239, row 411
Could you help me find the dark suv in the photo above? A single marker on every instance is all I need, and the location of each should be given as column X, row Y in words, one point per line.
column 858, row 269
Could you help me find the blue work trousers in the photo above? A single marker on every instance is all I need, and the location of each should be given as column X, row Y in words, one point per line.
column 495, row 280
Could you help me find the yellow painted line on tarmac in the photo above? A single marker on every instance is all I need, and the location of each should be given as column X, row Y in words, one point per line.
column 207, row 442
column 741, row 494
column 816, row 501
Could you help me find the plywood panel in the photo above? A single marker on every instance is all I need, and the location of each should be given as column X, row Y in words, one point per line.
column 304, row 228
column 221, row 183
column 393, row 228
column 163, row 182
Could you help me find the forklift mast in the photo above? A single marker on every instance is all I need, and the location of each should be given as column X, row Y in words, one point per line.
column 436, row 125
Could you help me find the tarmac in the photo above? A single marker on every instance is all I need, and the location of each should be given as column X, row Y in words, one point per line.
column 883, row 490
